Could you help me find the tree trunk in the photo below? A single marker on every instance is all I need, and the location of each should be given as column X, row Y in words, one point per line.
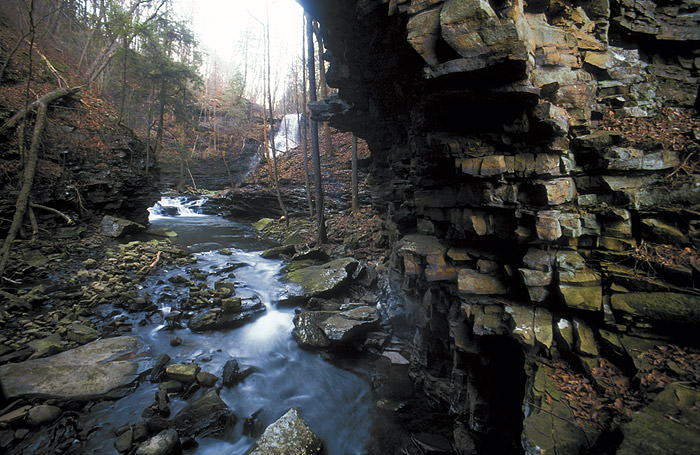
column 45, row 99
column 325, row 126
column 28, row 180
column 321, row 238
column 161, row 114
column 305, row 127
column 272, row 120
column 355, row 196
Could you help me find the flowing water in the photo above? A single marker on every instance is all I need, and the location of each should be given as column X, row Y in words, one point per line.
column 287, row 137
column 336, row 404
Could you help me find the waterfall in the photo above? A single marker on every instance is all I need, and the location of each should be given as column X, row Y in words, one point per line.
column 287, row 136
column 176, row 206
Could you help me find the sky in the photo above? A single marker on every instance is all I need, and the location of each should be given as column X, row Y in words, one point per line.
column 221, row 25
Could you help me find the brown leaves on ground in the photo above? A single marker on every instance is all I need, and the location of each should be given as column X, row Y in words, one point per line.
column 586, row 404
column 609, row 396
column 594, row 404
column 668, row 364
column 671, row 129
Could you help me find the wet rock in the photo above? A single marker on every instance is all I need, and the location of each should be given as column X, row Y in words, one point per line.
column 252, row 426
column 231, row 305
column 185, row 373
column 347, row 326
column 123, row 443
column 288, row 435
column 117, row 227
column 324, row 280
column 81, row 333
column 43, row 414
column 98, row 369
column 208, row 416
column 167, row 442
column 279, row 251
column 180, row 279
column 206, row 379
column 159, row 368
column 171, row 386
column 216, row 319
column 262, row 223
column 232, row 373
column 175, row 341
column 140, row 432
column 307, row 331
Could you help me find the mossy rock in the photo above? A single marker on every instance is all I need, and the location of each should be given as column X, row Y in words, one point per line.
column 324, row 280
column 262, row 223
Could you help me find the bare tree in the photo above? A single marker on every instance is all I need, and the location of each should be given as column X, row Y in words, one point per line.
column 321, row 238
column 272, row 119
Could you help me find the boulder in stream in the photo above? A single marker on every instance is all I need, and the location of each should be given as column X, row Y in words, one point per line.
column 334, row 329
column 112, row 226
column 167, row 442
column 95, row 370
column 217, row 319
column 207, row 416
column 233, row 374
column 289, row 435
column 324, row 280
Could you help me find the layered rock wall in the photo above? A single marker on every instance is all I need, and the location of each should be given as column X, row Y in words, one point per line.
column 519, row 157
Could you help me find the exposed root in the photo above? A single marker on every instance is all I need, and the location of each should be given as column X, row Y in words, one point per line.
column 52, row 210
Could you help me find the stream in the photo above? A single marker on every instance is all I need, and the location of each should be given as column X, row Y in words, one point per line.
column 337, row 404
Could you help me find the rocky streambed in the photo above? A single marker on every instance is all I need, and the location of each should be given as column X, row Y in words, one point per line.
column 186, row 338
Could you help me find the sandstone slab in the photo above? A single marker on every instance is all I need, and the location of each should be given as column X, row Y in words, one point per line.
column 660, row 306
column 95, row 370
column 472, row 282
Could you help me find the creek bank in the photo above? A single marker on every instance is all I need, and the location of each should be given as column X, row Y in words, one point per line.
column 531, row 162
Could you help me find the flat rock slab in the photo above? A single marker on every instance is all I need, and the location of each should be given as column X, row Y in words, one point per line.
column 324, row 280
column 89, row 372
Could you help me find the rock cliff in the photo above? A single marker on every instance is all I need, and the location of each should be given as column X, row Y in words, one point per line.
column 536, row 163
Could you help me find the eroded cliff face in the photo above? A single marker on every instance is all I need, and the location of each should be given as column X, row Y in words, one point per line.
column 531, row 157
